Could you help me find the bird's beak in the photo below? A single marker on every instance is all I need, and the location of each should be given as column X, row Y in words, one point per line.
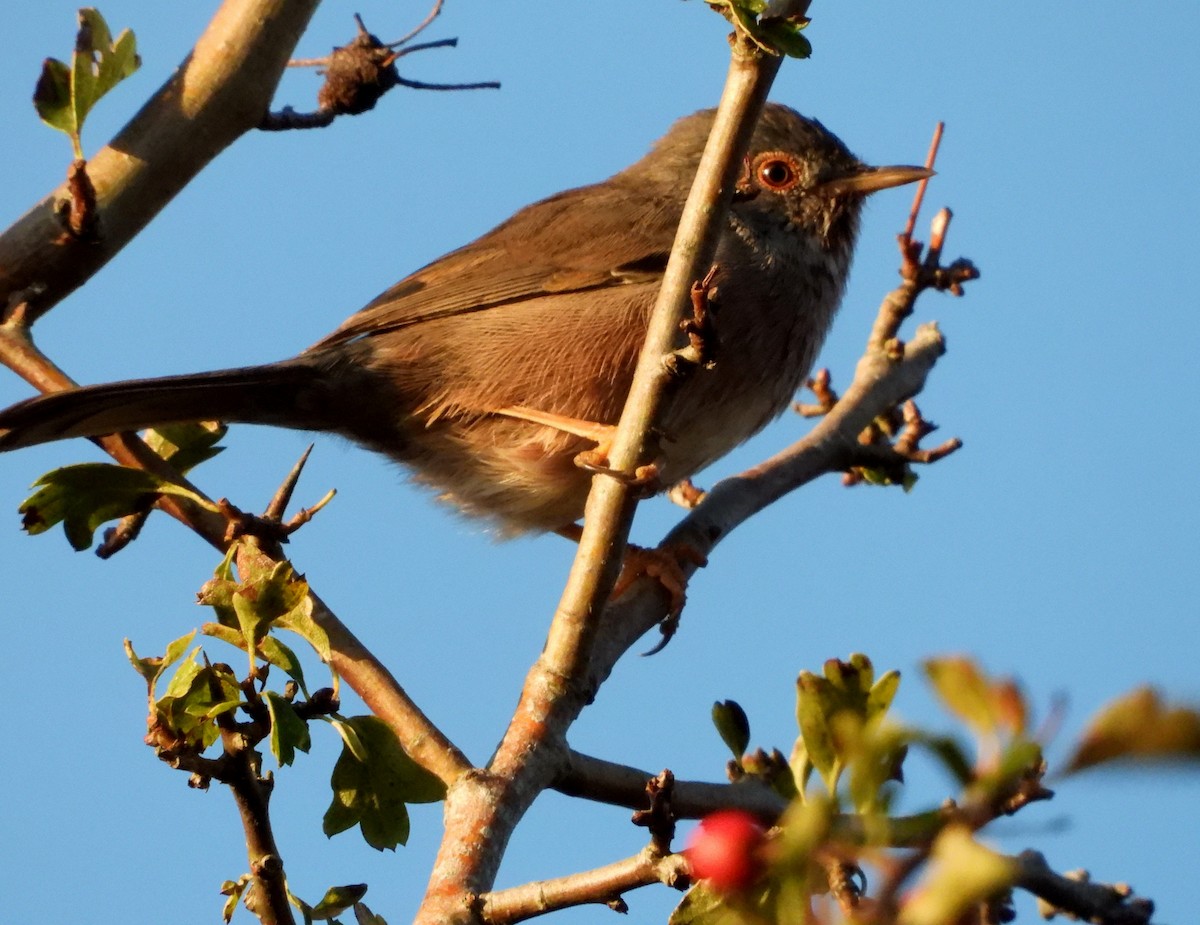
column 867, row 180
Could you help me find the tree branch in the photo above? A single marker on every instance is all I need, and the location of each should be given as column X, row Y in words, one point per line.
column 1078, row 898
column 220, row 91
column 482, row 810
column 601, row 885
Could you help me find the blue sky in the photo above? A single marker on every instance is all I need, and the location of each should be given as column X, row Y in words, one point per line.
column 1059, row 545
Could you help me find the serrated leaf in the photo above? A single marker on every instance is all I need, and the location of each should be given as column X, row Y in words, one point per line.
column 98, row 64
column 66, row 93
column 288, row 731
column 373, row 792
column 120, row 61
column 1139, row 726
column 343, row 812
column 175, row 650
column 269, row 649
column 84, row 496
column 733, row 726
column 225, row 570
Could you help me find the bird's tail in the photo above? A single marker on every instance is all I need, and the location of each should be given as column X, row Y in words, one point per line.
column 272, row 394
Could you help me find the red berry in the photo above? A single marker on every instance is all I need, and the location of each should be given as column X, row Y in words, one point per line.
column 723, row 850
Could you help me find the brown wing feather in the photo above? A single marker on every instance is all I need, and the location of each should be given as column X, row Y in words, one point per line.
column 528, row 256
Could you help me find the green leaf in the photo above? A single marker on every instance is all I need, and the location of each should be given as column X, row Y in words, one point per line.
column 279, row 655
column 372, row 791
column 52, row 96
column 775, row 35
column 232, row 889
column 254, row 616
column 84, row 496
column 300, row 621
column 733, row 726
column 288, row 731
column 118, row 60
column 148, row 668
column 951, row 753
column 702, row 906
column 1139, row 726
column 881, row 695
column 812, row 715
column 785, row 36
column 186, row 445
column 965, row 691
column 225, row 634
column 338, row 899
column 878, row 761
column 364, row 916
column 833, row 711
column 351, row 739
column 185, row 674
column 962, row 874
column 65, row 94
column 270, row 649
column 196, row 695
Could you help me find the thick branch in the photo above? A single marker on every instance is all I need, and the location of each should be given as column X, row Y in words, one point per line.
column 219, row 92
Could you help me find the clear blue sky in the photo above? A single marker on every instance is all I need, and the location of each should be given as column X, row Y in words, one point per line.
column 1059, row 545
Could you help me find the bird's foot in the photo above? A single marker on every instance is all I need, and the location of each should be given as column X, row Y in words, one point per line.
column 665, row 565
column 644, row 478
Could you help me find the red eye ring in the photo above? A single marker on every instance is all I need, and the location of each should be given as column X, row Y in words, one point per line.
column 777, row 172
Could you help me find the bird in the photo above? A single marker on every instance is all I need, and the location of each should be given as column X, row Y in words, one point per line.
column 490, row 370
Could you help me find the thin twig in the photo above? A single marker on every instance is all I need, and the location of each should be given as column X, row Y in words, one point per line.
column 603, row 886
column 922, row 185
column 1078, row 897
column 422, row 85
column 424, row 24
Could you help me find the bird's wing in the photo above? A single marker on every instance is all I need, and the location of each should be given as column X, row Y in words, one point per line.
column 587, row 238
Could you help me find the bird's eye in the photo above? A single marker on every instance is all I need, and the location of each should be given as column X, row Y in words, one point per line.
column 777, row 173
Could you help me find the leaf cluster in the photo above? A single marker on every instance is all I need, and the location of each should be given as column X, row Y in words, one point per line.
column 931, row 867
